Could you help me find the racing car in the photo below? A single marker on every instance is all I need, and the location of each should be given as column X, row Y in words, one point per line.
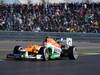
column 43, row 53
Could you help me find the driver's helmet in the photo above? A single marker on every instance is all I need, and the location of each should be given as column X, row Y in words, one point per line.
column 60, row 40
column 45, row 39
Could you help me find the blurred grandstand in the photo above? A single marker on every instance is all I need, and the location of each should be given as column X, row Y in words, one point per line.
column 50, row 15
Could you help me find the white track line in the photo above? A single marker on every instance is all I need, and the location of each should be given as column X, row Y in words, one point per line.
column 1, row 60
column 82, row 54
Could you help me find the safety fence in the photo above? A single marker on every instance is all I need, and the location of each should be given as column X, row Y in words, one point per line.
column 79, row 37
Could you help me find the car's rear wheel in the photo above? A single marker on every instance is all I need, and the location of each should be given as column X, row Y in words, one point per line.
column 73, row 53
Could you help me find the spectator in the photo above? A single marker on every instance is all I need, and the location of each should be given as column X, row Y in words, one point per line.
column 62, row 17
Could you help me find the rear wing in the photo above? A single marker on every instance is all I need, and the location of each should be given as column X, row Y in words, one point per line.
column 67, row 41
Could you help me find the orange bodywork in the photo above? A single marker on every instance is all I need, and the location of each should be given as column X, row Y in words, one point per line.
column 33, row 48
column 53, row 42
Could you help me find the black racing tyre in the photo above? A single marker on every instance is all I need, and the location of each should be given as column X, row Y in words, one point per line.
column 73, row 53
column 45, row 53
column 17, row 49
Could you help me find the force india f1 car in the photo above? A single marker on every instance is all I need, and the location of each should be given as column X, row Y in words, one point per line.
column 43, row 53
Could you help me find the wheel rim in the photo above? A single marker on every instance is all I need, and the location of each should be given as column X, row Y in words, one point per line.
column 46, row 54
column 75, row 53
column 20, row 48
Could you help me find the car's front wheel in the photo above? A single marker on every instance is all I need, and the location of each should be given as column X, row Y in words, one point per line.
column 17, row 49
column 45, row 53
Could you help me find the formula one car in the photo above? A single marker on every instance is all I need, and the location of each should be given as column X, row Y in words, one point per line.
column 43, row 53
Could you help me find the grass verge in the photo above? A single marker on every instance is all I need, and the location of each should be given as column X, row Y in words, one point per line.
column 2, row 57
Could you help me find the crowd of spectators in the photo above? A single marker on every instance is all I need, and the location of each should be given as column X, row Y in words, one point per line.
column 63, row 17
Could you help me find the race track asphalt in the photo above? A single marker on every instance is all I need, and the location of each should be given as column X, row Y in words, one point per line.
column 85, row 65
